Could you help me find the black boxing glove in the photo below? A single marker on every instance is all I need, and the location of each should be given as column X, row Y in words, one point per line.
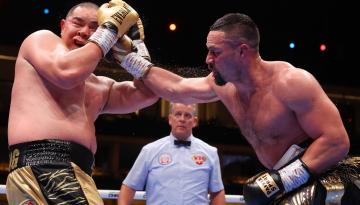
column 268, row 186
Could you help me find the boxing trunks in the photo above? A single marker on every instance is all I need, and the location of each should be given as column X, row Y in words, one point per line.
column 51, row 172
column 339, row 185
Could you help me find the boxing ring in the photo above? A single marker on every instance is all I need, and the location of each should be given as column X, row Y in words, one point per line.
column 141, row 195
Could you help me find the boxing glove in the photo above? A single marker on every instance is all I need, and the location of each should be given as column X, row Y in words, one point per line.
column 118, row 16
column 137, row 35
column 114, row 18
column 136, row 31
column 121, row 48
column 268, row 186
column 132, row 42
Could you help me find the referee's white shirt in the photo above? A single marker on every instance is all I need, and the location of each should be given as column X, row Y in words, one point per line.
column 174, row 175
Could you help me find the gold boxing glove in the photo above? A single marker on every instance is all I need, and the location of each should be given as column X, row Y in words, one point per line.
column 118, row 16
column 115, row 18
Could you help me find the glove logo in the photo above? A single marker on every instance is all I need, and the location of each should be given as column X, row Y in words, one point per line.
column 267, row 184
column 120, row 15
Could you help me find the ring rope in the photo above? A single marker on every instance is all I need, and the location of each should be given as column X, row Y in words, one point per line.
column 141, row 195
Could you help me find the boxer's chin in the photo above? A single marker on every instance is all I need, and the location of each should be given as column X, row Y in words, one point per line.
column 218, row 79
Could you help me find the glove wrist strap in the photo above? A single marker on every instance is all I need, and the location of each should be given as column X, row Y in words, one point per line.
column 141, row 49
column 104, row 38
column 294, row 175
column 136, row 65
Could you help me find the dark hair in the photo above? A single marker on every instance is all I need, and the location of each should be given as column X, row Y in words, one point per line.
column 238, row 27
column 83, row 4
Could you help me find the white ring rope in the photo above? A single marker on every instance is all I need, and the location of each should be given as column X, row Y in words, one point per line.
column 141, row 195
column 6, row 57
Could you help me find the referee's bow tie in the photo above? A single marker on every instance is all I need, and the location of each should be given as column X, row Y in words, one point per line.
column 182, row 143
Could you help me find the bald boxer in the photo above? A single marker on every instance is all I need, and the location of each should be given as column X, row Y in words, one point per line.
column 276, row 105
column 55, row 101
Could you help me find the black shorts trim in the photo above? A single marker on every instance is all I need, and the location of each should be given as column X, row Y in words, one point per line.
column 50, row 151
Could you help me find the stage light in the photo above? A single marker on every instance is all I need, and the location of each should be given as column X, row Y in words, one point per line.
column 292, row 45
column 322, row 47
column 46, row 11
column 172, row 27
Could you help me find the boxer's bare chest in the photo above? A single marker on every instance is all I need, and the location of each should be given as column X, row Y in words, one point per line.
column 261, row 116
